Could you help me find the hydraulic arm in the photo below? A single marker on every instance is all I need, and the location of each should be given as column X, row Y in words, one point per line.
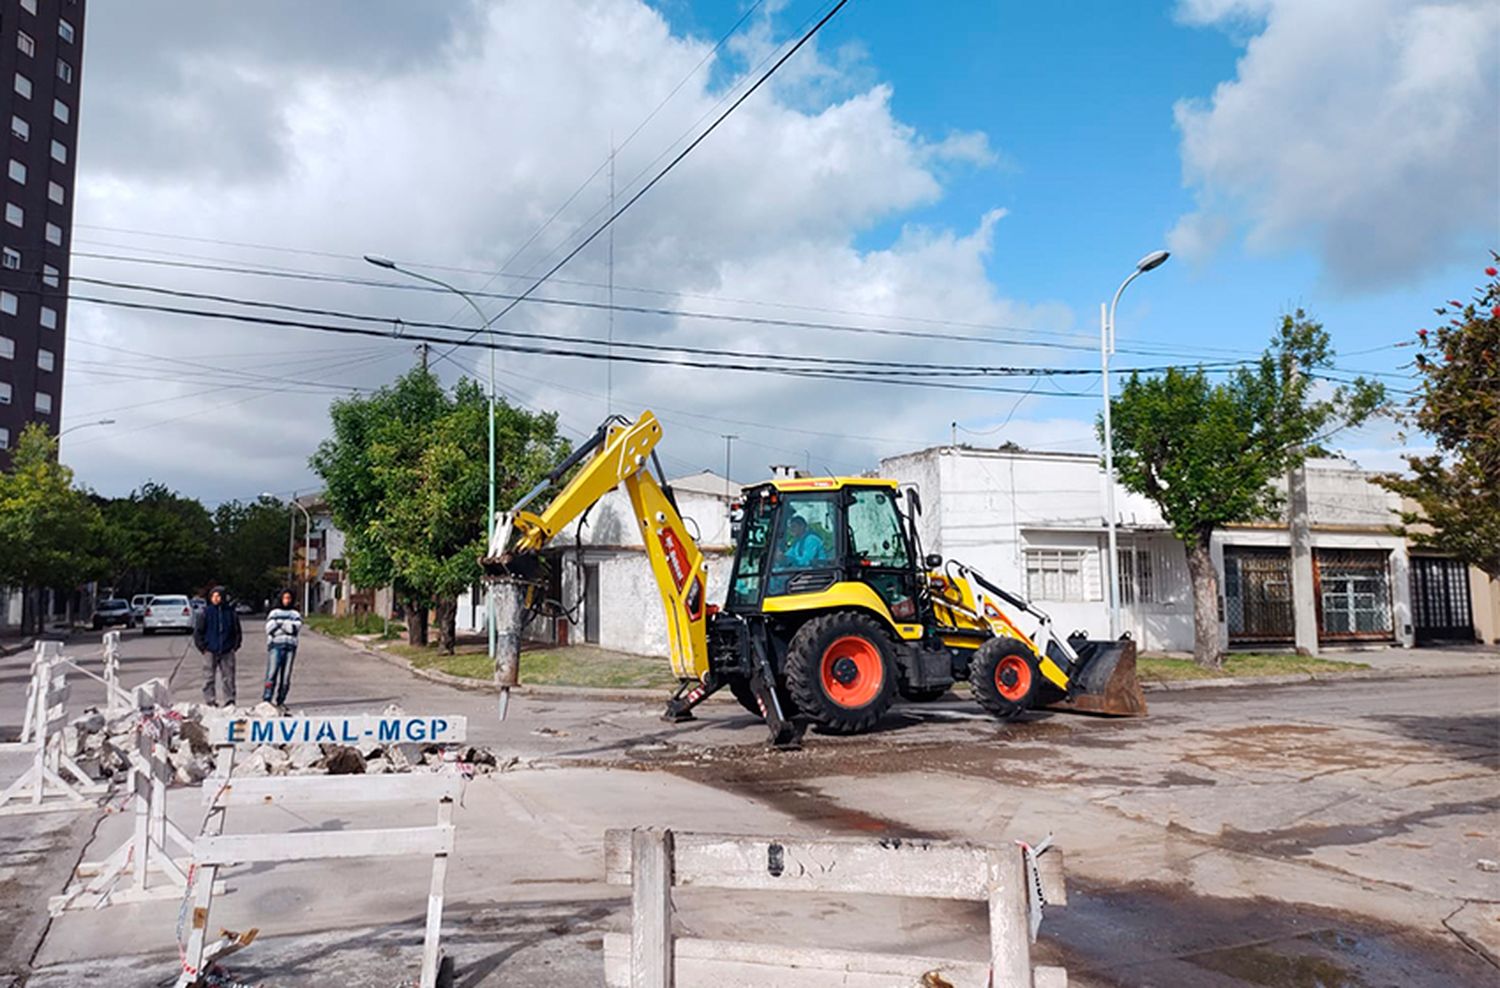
column 618, row 455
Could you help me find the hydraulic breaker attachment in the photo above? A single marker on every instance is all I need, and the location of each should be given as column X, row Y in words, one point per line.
column 1104, row 680
column 689, row 694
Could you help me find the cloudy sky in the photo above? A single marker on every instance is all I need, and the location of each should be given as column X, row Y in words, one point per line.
column 955, row 184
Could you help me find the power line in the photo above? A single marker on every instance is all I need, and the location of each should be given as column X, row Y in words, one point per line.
column 609, row 161
column 851, row 375
column 908, row 368
column 664, row 172
column 639, row 309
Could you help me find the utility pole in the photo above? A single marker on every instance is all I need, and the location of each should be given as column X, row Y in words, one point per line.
column 728, row 447
column 609, row 350
column 422, row 351
column 1150, row 262
column 1304, row 598
column 291, row 544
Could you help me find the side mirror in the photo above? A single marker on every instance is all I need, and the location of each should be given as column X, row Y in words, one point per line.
column 916, row 500
column 932, row 561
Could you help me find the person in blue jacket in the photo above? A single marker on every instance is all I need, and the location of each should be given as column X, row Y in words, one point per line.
column 217, row 636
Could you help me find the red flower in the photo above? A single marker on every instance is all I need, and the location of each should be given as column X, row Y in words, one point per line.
column 1422, row 334
column 1491, row 272
column 1495, row 312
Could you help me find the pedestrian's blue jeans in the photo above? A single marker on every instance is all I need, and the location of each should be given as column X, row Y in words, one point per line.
column 279, row 660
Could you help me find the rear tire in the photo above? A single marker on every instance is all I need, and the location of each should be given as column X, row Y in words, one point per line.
column 1005, row 677
column 839, row 672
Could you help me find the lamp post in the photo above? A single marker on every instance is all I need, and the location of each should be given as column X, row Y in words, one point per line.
column 1106, row 347
column 306, row 547
column 484, row 324
column 84, row 425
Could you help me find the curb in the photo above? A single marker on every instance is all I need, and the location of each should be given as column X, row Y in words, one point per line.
column 1363, row 675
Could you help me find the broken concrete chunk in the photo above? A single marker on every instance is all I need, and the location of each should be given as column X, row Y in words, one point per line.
column 196, row 736
column 305, row 755
column 344, row 761
column 265, row 708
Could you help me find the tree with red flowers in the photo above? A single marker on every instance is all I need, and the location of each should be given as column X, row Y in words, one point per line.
column 1456, row 490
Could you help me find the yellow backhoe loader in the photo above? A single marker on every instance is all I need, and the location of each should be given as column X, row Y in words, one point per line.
column 831, row 610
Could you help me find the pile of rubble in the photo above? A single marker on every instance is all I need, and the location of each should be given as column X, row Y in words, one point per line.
column 100, row 745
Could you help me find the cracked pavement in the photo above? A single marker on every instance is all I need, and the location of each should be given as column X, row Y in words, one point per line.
column 1326, row 833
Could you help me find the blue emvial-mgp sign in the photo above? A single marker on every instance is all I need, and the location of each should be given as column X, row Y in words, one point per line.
column 357, row 730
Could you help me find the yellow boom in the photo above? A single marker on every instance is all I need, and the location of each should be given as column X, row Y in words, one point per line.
column 618, row 456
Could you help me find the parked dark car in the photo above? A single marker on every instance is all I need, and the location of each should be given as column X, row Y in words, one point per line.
column 112, row 611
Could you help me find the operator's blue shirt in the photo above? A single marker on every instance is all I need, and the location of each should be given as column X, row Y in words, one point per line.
column 806, row 551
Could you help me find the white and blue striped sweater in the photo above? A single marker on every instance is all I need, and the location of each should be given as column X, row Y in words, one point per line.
column 282, row 626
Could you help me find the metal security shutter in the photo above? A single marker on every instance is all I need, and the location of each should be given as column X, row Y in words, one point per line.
column 1440, row 602
column 1258, row 595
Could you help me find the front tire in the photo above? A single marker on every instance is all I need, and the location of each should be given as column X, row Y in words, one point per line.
column 1005, row 677
column 840, row 673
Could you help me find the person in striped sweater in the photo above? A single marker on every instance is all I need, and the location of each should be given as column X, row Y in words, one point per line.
column 283, row 624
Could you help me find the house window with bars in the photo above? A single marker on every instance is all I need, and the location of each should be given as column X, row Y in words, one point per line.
column 1137, row 577
column 1055, row 574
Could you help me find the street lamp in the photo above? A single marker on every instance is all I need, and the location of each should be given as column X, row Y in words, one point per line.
column 84, row 425
column 1150, row 262
column 484, row 325
column 306, row 547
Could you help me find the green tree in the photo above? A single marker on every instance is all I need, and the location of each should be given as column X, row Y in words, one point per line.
column 1207, row 453
column 49, row 530
column 1457, row 489
column 250, row 546
column 407, row 477
column 160, row 541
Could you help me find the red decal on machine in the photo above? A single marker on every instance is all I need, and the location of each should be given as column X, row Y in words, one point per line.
column 677, row 560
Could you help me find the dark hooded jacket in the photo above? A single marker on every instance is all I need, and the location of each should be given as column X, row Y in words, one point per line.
column 217, row 629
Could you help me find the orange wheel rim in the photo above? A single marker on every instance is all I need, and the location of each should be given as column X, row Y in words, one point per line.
column 1013, row 677
column 852, row 671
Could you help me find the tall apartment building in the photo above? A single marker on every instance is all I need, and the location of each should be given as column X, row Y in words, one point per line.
column 41, row 64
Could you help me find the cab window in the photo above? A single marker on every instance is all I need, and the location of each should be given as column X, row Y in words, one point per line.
column 755, row 541
column 875, row 537
column 807, row 537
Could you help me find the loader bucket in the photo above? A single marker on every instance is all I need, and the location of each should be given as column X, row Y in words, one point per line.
column 1105, row 682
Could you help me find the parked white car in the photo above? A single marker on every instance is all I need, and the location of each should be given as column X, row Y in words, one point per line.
column 138, row 605
column 168, row 613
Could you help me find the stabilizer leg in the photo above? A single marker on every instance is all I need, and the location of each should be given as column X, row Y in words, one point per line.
column 689, row 694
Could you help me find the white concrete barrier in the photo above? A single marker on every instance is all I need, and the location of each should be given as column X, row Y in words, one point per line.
column 215, row 849
column 652, row 862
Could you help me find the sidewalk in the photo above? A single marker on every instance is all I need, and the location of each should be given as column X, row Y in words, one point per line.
column 1384, row 663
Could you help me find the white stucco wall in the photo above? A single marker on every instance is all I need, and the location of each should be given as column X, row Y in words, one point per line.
column 631, row 617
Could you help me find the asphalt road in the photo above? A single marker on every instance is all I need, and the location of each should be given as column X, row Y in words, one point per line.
column 1313, row 834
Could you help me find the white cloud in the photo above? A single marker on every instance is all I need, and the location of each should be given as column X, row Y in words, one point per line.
column 1366, row 131
column 454, row 154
